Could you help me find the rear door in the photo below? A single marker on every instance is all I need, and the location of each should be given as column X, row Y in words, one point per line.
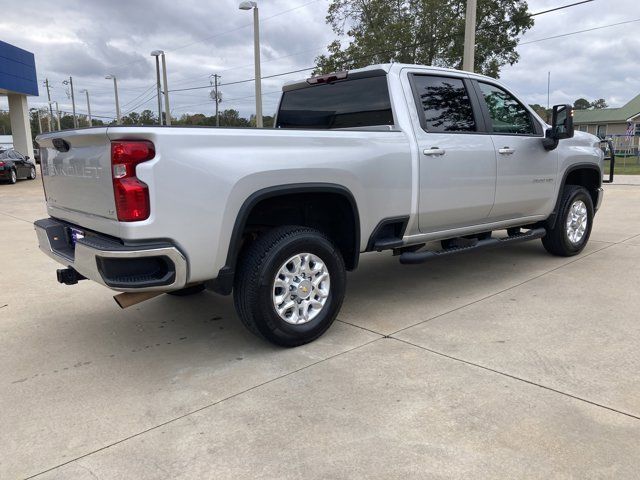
column 526, row 171
column 457, row 158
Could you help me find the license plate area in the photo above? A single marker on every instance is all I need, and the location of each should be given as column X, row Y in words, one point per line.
column 73, row 234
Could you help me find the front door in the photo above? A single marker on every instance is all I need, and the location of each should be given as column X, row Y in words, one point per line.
column 526, row 171
column 457, row 161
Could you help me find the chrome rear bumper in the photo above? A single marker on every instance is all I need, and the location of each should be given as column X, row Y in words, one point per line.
column 125, row 268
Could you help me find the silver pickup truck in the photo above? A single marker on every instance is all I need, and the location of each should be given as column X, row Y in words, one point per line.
column 425, row 162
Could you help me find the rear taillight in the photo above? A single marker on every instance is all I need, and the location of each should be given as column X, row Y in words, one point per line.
column 1, row 164
column 131, row 195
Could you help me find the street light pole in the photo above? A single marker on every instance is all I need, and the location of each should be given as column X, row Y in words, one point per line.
column 39, row 122
column 88, row 107
column 157, row 53
column 468, row 59
column 167, row 111
column 73, row 100
column 256, row 53
column 115, row 89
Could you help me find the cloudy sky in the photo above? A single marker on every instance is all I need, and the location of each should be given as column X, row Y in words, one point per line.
column 88, row 39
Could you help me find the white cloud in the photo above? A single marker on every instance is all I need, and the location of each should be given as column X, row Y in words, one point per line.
column 88, row 39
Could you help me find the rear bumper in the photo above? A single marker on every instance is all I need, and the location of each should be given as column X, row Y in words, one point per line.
column 155, row 266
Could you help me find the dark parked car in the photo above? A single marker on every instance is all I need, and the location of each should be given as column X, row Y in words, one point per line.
column 14, row 165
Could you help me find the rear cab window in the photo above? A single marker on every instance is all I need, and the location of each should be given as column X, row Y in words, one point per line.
column 359, row 101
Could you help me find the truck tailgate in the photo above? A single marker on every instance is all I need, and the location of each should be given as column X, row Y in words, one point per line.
column 76, row 171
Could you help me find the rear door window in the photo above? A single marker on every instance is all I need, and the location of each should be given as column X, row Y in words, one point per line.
column 360, row 102
column 444, row 103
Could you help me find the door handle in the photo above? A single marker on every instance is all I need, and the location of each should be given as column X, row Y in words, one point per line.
column 434, row 152
column 506, row 151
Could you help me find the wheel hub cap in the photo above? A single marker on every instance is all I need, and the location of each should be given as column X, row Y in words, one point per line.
column 301, row 288
column 577, row 221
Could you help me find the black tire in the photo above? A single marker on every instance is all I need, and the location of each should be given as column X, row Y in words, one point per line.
column 32, row 174
column 556, row 241
column 185, row 292
column 13, row 177
column 254, row 283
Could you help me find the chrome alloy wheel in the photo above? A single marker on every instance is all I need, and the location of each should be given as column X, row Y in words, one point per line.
column 577, row 221
column 301, row 288
column 14, row 177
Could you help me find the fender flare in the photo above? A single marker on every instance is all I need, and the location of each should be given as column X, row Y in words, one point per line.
column 551, row 221
column 224, row 281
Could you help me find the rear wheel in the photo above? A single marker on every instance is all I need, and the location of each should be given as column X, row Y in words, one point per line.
column 290, row 285
column 13, row 178
column 572, row 229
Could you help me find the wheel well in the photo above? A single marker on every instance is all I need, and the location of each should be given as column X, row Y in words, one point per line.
column 331, row 213
column 589, row 178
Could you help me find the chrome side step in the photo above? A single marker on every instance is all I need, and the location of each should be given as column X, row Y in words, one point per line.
column 410, row 258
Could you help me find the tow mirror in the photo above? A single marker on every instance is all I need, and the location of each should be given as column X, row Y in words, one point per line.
column 562, row 122
column 561, row 126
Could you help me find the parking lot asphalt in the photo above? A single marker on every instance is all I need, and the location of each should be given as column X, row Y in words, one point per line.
column 504, row 363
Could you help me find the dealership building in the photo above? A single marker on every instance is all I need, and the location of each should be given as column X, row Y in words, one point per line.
column 18, row 81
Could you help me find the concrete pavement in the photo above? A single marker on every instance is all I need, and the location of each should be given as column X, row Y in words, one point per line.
column 498, row 364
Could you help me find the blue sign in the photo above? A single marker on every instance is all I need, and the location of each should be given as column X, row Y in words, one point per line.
column 17, row 70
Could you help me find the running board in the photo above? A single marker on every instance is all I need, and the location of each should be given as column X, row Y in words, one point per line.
column 409, row 258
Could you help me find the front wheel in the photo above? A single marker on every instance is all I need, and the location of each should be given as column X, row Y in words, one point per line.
column 572, row 229
column 32, row 174
column 290, row 285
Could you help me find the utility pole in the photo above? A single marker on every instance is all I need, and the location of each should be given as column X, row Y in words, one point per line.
column 46, row 82
column 73, row 100
column 468, row 59
column 216, row 97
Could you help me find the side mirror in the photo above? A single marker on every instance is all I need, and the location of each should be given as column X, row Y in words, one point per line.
column 562, row 122
column 561, row 126
column 26, row 157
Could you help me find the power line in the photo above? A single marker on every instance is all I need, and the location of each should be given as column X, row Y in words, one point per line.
column 580, row 31
column 381, row 52
column 244, row 81
column 560, row 8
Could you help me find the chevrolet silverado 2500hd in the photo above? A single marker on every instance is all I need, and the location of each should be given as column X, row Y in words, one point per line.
column 389, row 157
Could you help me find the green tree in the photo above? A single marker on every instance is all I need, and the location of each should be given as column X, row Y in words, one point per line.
column 542, row 111
column 581, row 104
column 429, row 32
column 5, row 123
column 598, row 104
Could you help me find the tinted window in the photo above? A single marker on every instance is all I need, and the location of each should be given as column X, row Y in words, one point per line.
column 445, row 103
column 361, row 102
column 508, row 115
